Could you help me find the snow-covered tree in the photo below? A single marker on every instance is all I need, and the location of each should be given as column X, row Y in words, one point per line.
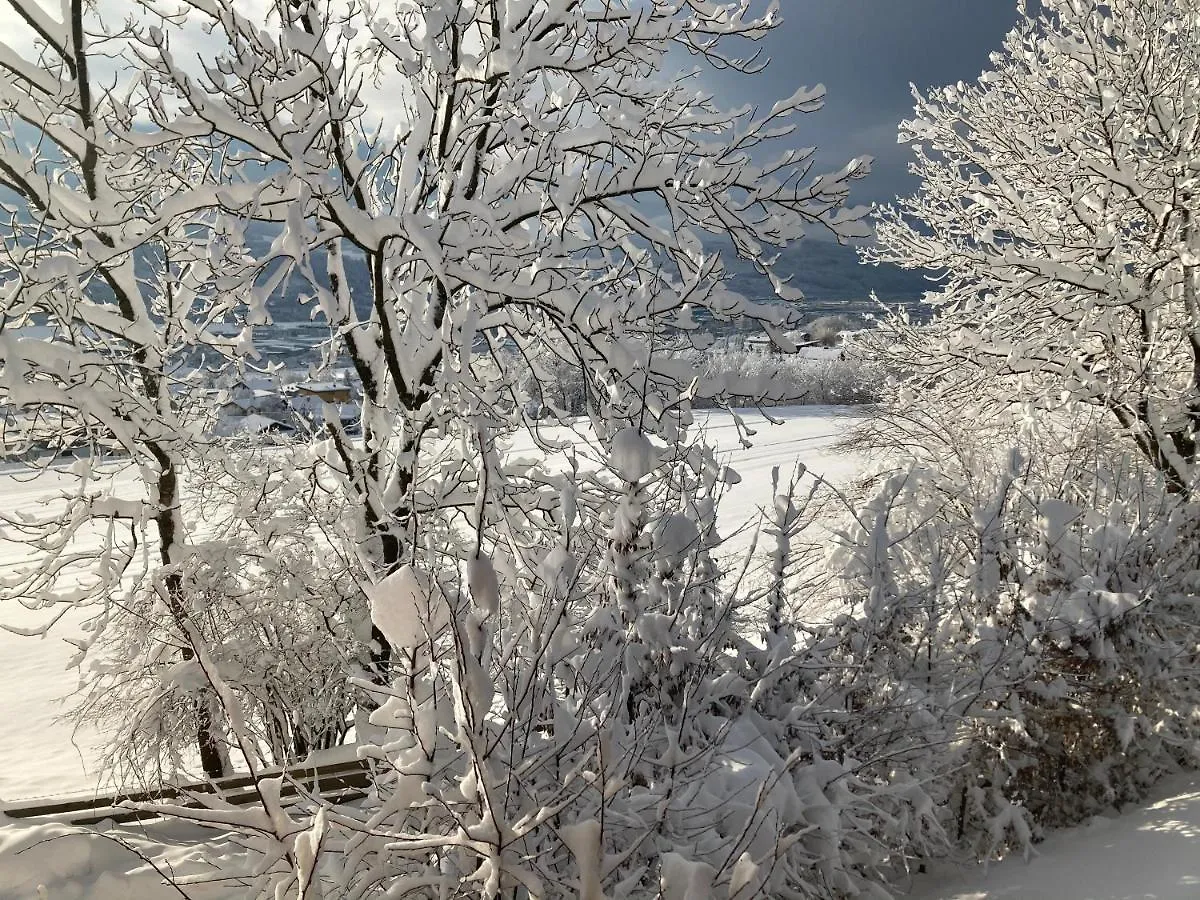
column 1045, row 421
column 271, row 599
column 1057, row 201
column 545, row 191
column 109, row 288
column 472, row 180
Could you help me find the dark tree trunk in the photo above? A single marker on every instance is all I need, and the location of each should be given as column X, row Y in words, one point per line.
column 213, row 758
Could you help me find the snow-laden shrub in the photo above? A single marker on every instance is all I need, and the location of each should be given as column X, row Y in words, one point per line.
column 581, row 704
column 552, row 385
column 579, row 707
column 1021, row 626
column 271, row 600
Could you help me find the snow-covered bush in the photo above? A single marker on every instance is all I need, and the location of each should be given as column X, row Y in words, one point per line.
column 267, row 589
column 1020, row 620
column 728, row 376
column 575, row 710
column 552, row 386
column 577, row 705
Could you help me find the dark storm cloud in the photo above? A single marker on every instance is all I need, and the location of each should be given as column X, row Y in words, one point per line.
column 866, row 52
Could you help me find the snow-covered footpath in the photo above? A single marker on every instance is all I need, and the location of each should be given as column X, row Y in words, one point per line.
column 1148, row 853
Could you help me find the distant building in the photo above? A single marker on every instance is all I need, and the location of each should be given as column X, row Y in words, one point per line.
column 325, row 391
column 254, row 402
column 275, row 404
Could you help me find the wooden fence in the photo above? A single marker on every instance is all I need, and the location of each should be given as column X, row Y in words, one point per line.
column 339, row 782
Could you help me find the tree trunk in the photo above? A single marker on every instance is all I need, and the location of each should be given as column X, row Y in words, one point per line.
column 213, row 757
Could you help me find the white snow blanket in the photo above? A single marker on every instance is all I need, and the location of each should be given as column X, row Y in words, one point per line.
column 1151, row 852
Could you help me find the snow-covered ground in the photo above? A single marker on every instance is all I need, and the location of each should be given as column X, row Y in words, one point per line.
column 1148, row 853
column 41, row 756
column 59, row 862
column 1151, row 852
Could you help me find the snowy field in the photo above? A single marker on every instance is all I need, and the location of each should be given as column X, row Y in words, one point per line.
column 39, row 754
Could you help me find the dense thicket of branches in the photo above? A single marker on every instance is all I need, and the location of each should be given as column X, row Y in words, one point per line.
column 1058, row 198
column 560, row 685
column 1042, row 428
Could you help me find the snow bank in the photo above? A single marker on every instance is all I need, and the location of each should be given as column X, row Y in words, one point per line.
column 60, row 862
column 1150, row 853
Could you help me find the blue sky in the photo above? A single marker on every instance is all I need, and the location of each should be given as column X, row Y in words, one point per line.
column 866, row 52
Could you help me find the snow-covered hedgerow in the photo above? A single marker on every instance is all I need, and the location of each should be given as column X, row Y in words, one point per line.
column 580, row 704
column 740, row 377
column 1022, row 629
column 728, row 376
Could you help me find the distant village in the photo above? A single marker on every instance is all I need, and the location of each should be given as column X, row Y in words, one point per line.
column 283, row 403
column 284, row 400
column 279, row 402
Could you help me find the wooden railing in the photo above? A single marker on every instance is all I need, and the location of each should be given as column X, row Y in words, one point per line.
column 338, row 782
